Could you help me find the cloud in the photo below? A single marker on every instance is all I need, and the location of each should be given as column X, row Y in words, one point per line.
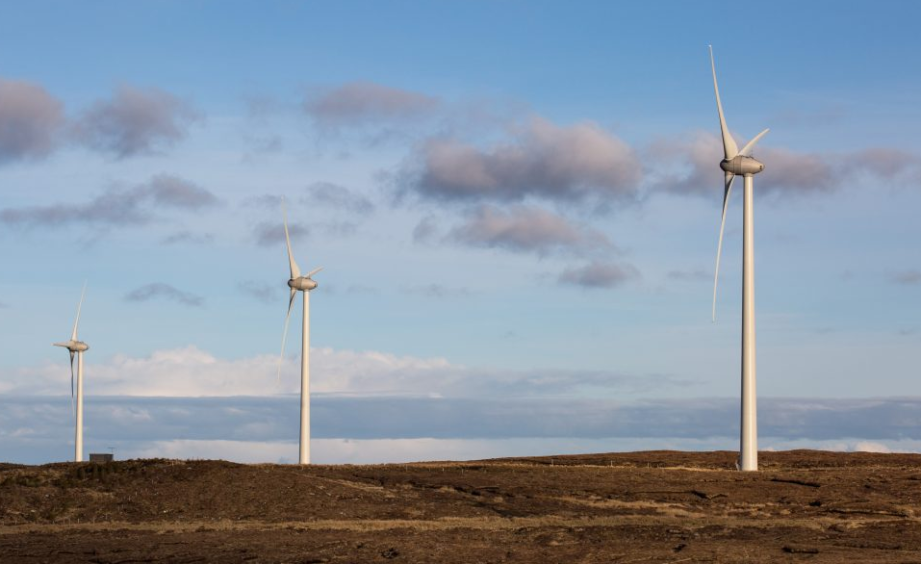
column 267, row 201
column 168, row 190
column 30, row 121
column 870, row 446
column 339, row 229
column 564, row 164
column 339, row 197
column 886, row 163
column 265, row 293
column 545, row 425
column 135, row 121
column 685, row 275
column 190, row 372
column 362, row 103
column 425, row 231
column 599, row 274
column 117, row 206
column 159, row 290
column 526, row 229
column 269, row 233
column 189, row 237
column 907, row 278
column 786, row 171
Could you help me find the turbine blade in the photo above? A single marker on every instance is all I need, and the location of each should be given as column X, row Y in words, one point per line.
column 747, row 149
column 65, row 345
column 314, row 271
column 73, row 411
column 295, row 271
column 719, row 248
column 284, row 335
column 73, row 336
column 730, row 149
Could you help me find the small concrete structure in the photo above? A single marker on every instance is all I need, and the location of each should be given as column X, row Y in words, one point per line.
column 101, row 457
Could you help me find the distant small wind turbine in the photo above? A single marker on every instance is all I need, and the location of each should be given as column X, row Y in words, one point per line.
column 737, row 162
column 303, row 284
column 77, row 348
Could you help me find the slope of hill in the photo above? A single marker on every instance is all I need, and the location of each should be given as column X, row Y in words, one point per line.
column 633, row 507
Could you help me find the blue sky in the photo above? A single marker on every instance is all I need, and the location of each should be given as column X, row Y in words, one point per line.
column 512, row 200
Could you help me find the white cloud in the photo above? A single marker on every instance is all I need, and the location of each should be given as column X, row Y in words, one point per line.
column 192, row 372
column 870, row 446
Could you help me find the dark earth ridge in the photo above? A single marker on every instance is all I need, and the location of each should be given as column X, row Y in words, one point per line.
column 658, row 506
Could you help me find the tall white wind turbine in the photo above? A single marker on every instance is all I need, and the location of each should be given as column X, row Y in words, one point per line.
column 303, row 284
column 77, row 348
column 736, row 162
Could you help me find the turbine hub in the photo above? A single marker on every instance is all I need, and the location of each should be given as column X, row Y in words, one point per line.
column 742, row 165
column 79, row 346
column 302, row 283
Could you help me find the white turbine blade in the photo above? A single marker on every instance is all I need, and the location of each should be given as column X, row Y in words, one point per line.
column 730, row 149
column 284, row 335
column 747, row 149
column 314, row 271
column 295, row 271
column 73, row 336
column 719, row 248
column 65, row 345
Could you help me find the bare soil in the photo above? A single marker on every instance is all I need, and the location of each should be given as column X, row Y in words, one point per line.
column 628, row 507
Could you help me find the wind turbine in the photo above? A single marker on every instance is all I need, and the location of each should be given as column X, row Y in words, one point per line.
column 303, row 284
column 77, row 348
column 736, row 162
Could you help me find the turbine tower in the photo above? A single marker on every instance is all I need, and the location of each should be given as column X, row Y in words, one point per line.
column 303, row 284
column 736, row 162
column 77, row 348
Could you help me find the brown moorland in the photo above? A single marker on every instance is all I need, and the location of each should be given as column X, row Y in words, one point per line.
column 614, row 508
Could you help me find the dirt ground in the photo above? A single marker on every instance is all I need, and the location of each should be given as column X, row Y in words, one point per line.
column 612, row 508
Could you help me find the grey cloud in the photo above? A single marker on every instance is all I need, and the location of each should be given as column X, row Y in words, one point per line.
column 786, row 171
column 361, row 103
column 4, row 305
column 526, row 229
column 564, row 164
column 335, row 196
column 883, row 163
column 112, row 207
column 30, row 121
column 116, row 206
column 339, row 229
column 173, row 191
column 907, row 277
column 425, row 231
column 160, row 290
column 269, row 233
column 189, row 237
column 271, row 418
column 599, row 274
column 135, row 121
column 696, row 274
column 268, row 201
column 265, row 293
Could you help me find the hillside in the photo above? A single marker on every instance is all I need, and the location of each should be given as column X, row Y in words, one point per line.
column 633, row 507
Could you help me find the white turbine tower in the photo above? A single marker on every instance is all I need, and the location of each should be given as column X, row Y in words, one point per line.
column 737, row 162
column 77, row 348
column 304, row 284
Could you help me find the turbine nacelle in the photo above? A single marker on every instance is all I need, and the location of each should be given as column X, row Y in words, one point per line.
column 302, row 283
column 742, row 164
column 74, row 346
